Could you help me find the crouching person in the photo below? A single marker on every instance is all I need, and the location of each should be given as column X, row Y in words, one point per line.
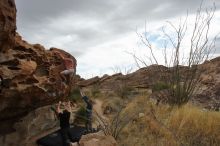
column 89, row 107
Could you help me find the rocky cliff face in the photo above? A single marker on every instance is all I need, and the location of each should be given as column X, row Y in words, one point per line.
column 209, row 95
column 142, row 78
column 31, row 74
column 7, row 24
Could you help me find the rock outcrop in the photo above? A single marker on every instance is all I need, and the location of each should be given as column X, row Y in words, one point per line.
column 209, row 95
column 31, row 74
column 34, row 125
column 97, row 139
column 142, row 78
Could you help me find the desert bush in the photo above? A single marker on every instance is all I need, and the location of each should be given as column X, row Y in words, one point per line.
column 80, row 116
column 112, row 106
column 75, row 95
column 123, row 90
column 117, row 122
column 160, row 86
column 95, row 90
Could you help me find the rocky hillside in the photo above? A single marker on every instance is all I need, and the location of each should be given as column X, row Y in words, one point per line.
column 146, row 77
column 30, row 72
column 209, row 96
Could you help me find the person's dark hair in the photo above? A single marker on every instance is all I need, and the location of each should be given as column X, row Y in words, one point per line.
column 91, row 101
column 65, row 111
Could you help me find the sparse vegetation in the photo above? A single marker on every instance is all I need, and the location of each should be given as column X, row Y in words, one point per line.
column 95, row 90
column 195, row 127
column 80, row 116
column 75, row 95
column 112, row 105
column 160, row 86
column 169, row 126
column 123, row 90
column 117, row 123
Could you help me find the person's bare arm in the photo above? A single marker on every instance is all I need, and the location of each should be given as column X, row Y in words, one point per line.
column 68, row 107
column 58, row 107
column 81, row 92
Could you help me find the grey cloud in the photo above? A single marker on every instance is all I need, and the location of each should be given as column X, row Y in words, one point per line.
column 41, row 20
column 217, row 46
column 158, row 9
column 38, row 10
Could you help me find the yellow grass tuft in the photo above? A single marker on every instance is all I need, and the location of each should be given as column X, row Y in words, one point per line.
column 167, row 126
column 194, row 126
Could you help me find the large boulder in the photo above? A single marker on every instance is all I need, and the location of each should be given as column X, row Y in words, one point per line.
column 36, row 124
column 31, row 74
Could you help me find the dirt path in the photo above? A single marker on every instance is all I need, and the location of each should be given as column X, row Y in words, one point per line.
column 98, row 108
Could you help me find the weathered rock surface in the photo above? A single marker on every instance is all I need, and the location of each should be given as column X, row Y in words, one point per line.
column 97, row 139
column 209, row 96
column 31, row 74
column 33, row 126
column 7, row 24
column 142, row 78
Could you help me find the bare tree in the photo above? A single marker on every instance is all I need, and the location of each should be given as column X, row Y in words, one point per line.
column 184, row 74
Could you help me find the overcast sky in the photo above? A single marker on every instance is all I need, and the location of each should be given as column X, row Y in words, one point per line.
column 100, row 32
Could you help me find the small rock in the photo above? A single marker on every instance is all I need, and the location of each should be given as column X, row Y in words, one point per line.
column 74, row 144
column 140, row 115
column 97, row 139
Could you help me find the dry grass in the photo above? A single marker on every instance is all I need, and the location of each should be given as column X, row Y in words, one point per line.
column 166, row 126
column 196, row 127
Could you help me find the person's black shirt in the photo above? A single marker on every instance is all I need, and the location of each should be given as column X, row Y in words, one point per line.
column 89, row 106
column 64, row 119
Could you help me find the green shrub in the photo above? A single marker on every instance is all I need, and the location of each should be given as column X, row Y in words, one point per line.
column 75, row 95
column 95, row 90
column 160, row 86
column 123, row 90
column 80, row 116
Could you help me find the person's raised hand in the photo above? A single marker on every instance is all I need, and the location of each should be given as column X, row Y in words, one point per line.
column 81, row 92
column 69, row 103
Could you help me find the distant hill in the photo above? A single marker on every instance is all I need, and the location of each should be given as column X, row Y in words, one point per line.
column 208, row 95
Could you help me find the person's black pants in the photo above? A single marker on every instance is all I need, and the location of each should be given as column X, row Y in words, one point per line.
column 66, row 136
